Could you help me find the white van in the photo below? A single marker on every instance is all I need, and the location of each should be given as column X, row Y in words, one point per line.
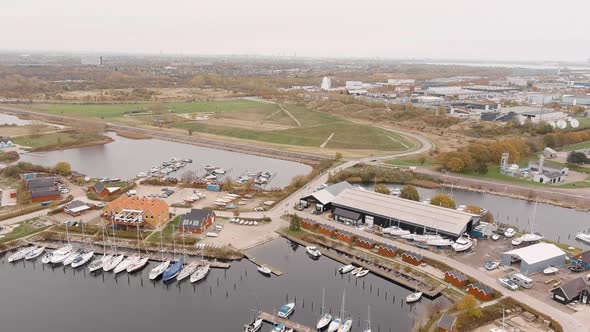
column 132, row 192
column 522, row 280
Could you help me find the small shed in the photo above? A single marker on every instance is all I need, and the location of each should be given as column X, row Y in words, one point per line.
column 480, row 291
column 75, row 208
column 327, row 230
column 549, row 153
column 446, row 323
column 344, row 236
column 213, row 187
column 535, row 258
column 573, row 290
column 309, row 224
column 412, row 258
column 387, row 251
column 456, row 278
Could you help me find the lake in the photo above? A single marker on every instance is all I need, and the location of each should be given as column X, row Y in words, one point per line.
column 42, row 298
column 126, row 157
column 6, row 119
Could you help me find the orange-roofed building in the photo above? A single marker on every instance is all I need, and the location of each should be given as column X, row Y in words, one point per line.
column 132, row 210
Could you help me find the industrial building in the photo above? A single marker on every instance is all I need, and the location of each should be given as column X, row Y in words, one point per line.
column 322, row 199
column 535, row 258
column 355, row 206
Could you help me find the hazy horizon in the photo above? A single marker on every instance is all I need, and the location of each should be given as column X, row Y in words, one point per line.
column 454, row 29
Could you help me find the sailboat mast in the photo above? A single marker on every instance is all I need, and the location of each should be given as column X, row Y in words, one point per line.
column 138, row 248
column 114, row 236
column 323, row 293
column 161, row 244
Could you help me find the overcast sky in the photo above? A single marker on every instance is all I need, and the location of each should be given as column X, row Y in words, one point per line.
column 465, row 29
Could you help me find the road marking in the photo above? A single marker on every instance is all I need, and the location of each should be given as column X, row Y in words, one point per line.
column 326, row 141
column 393, row 139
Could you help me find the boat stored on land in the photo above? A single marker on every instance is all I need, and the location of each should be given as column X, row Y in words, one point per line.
column 463, row 243
column 518, row 241
column 506, row 282
column 509, row 232
column 550, row 270
column 491, row 265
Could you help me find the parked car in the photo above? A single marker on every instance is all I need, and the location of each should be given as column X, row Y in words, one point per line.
column 101, row 205
column 259, row 209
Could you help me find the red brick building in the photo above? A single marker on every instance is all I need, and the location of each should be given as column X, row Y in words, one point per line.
column 482, row 292
column 412, row 258
column 387, row 251
column 196, row 221
column 103, row 191
column 456, row 278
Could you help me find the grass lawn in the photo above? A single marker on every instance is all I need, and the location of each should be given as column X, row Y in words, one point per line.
column 167, row 234
column 42, row 140
column 577, row 146
column 23, row 229
column 494, row 174
column 584, row 122
column 412, row 161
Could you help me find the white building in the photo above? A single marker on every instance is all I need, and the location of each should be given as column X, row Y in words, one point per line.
column 352, row 85
column 326, row 83
column 394, row 81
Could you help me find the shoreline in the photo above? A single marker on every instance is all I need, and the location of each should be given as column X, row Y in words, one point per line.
column 74, row 145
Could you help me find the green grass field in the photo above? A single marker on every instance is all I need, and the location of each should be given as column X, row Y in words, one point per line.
column 413, row 161
column 23, row 229
column 43, row 140
column 494, row 174
column 577, row 146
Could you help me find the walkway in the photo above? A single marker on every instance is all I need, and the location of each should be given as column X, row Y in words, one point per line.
column 290, row 115
column 327, row 140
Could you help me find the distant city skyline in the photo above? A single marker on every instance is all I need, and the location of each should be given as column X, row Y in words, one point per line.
column 454, row 29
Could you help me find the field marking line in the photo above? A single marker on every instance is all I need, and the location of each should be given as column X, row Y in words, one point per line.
column 326, row 141
column 271, row 115
column 393, row 139
column 291, row 115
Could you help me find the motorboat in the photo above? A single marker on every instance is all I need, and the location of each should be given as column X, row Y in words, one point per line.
column 212, row 234
column 583, row 237
column 72, row 256
column 82, row 259
column 125, row 264
column 324, row 321
column 313, row 251
column 113, row 263
column 279, row 328
column 138, row 265
column 335, row 325
column 495, row 237
column 509, row 232
column 173, row 270
column 34, row 253
column 517, row 241
column 201, row 272
column 506, row 282
column 20, row 254
column 62, row 253
column 441, row 242
column 356, row 271
column 286, row 310
column 414, row 297
column 550, row 270
column 491, row 265
column 395, row 192
column 346, row 268
column 264, row 270
column 362, row 273
column 254, row 326
column 187, row 270
column 158, row 270
column 576, row 268
column 532, row 237
column 99, row 263
column 47, row 258
column 463, row 243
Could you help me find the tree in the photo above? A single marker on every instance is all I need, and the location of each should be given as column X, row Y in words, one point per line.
column 188, row 176
column 63, row 168
column 190, row 131
column 24, row 197
column 469, row 303
column 488, row 217
column 473, row 209
column 382, row 189
column 577, row 158
column 482, row 168
column 410, row 192
column 455, row 165
column 338, row 156
column 550, row 140
column 443, row 200
column 295, row 224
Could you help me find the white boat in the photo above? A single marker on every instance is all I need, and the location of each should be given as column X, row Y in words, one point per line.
column 125, row 264
column 463, row 243
column 491, row 265
column 233, row 195
column 356, row 270
column 362, row 273
column 72, row 256
column 20, row 254
column 313, row 251
column 509, row 232
column 218, row 227
column 158, row 270
column 113, row 263
column 138, row 265
column 264, row 270
column 495, row 237
column 395, row 192
column 518, row 241
column 99, row 263
column 346, row 326
column 532, row 237
column 506, row 282
column 187, row 270
column 279, row 328
column 335, row 325
column 255, row 223
column 62, row 253
column 441, row 242
column 82, row 259
column 396, row 231
column 427, row 237
column 286, row 310
column 414, row 297
column 36, row 252
column 201, row 272
column 241, row 222
column 550, row 270
column 409, row 236
column 346, row 268
column 254, row 326
column 47, row 258
column 583, row 237
column 326, row 318
column 212, row 234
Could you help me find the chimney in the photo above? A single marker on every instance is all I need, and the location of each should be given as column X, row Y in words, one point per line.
column 541, row 162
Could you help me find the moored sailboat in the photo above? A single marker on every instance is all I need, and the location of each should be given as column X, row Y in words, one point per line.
column 326, row 318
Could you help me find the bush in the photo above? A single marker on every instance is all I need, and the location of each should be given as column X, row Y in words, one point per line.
column 443, row 200
column 410, row 192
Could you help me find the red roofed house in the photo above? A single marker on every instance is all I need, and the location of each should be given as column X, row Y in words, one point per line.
column 387, row 251
column 480, row 291
column 132, row 210
column 412, row 258
column 456, row 278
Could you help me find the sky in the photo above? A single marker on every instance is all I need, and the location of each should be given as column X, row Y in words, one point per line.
column 507, row 30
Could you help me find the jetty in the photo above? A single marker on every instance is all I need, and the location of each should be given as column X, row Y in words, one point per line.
column 270, row 318
column 253, row 259
column 346, row 256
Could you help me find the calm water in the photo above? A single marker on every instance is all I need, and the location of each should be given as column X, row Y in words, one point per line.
column 62, row 299
column 6, row 119
column 126, row 157
column 554, row 222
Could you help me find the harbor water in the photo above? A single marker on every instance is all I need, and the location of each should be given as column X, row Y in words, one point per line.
column 61, row 299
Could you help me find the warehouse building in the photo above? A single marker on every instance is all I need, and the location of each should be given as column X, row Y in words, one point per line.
column 355, row 207
column 323, row 198
column 535, row 258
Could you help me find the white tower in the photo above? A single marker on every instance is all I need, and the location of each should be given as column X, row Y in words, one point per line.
column 504, row 162
column 326, row 83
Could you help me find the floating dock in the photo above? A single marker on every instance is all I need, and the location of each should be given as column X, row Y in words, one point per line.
column 253, row 259
column 270, row 318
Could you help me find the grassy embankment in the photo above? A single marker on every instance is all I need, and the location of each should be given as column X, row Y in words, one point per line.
column 25, row 228
column 57, row 141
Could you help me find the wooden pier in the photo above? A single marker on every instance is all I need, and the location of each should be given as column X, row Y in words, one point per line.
column 253, row 259
column 384, row 272
column 270, row 318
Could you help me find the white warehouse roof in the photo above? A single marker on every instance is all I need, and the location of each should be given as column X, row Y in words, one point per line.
column 537, row 252
column 445, row 220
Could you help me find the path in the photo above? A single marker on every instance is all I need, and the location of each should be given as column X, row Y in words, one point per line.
column 327, row 140
column 290, row 115
column 398, row 141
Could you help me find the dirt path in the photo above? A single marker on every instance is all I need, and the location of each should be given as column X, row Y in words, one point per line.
column 327, row 141
column 290, row 115
column 398, row 141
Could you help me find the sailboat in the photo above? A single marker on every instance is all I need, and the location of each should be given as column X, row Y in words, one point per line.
column 34, row 253
column 99, row 263
column 532, row 236
column 20, row 254
column 395, row 230
column 414, row 297
column 141, row 262
column 158, row 270
column 173, row 270
column 62, row 253
column 189, row 268
column 84, row 257
column 368, row 329
column 201, row 272
column 326, row 317
column 117, row 259
column 337, row 322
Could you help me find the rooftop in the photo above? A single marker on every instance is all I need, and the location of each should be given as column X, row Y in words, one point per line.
column 537, row 252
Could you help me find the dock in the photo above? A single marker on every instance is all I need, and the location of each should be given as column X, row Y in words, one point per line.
column 344, row 256
column 270, row 318
column 253, row 259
